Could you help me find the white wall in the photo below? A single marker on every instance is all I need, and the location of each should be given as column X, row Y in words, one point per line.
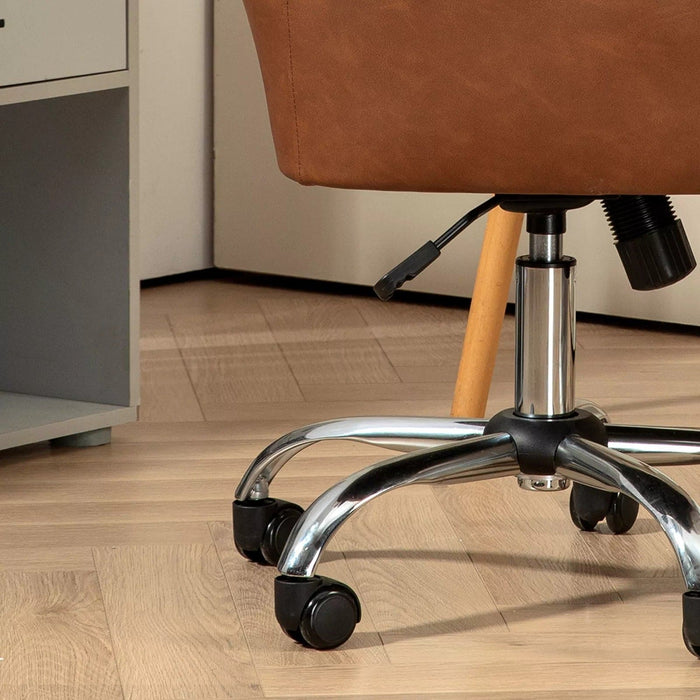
column 175, row 136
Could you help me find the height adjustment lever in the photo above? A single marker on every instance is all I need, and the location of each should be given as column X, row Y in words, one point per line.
column 415, row 263
column 411, row 267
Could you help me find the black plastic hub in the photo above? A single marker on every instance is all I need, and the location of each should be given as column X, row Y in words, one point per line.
column 542, row 203
column 291, row 596
column 250, row 520
column 546, row 214
column 261, row 528
column 588, row 506
column 549, row 223
column 537, row 439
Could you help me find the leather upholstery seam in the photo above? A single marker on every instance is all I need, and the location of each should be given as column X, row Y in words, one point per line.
column 293, row 90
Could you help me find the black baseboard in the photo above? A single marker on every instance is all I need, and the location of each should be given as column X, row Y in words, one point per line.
column 195, row 275
column 259, row 279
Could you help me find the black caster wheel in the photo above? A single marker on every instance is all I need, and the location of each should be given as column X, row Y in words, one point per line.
column 318, row 612
column 622, row 514
column 262, row 528
column 691, row 621
column 588, row 506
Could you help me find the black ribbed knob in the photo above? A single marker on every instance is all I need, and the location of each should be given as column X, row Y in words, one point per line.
column 650, row 240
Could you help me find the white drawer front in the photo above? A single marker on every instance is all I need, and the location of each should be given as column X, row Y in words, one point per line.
column 50, row 39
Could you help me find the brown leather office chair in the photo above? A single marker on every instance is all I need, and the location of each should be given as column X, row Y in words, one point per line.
column 553, row 106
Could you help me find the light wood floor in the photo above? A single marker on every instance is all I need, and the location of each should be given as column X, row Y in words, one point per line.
column 118, row 576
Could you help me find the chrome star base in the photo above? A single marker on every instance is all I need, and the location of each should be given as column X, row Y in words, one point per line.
column 546, row 442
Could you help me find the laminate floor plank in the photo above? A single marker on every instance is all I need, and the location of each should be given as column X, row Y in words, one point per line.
column 137, row 491
column 418, row 581
column 178, row 402
column 120, row 512
column 203, row 297
column 312, row 412
column 121, row 455
column 314, row 319
column 204, row 432
column 435, row 372
column 70, row 480
column 359, row 362
column 46, row 558
column 645, row 408
column 622, row 694
column 598, row 336
column 326, row 340
column 403, row 321
column 508, row 531
column 156, row 332
column 175, row 630
column 171, row 507
column 54, row 637
column 486, row 677
column 378, row 391
column 239, row 375
column 643, row 552
column 166, row 390
column 233, row 357
column 423, row 343
column 31, row 535
column 227, row 329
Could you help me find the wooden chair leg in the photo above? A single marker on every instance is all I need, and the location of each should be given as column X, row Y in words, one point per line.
column 486, row 313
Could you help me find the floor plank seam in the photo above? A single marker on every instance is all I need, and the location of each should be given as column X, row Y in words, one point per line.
column 184, row 364
column 109, row 625
column 281, row 350
column 235, row 607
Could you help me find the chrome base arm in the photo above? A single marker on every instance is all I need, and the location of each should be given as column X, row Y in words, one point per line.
column 677, row 514
column 478, row 458
column 656, row 446
column 403, row 434
column 592, row 407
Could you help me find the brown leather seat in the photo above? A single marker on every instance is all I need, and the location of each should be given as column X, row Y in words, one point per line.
column 526, row 96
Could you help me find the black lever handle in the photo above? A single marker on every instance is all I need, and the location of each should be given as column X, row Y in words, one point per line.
column 411, row 267
column 415, row 263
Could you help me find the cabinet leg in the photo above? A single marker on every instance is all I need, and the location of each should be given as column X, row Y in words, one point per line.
column 90, row 438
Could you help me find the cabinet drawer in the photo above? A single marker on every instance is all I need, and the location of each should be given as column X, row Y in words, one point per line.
column 50, row 39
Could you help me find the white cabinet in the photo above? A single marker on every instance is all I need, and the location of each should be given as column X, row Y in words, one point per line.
column 68, row 218
column 52, row 39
